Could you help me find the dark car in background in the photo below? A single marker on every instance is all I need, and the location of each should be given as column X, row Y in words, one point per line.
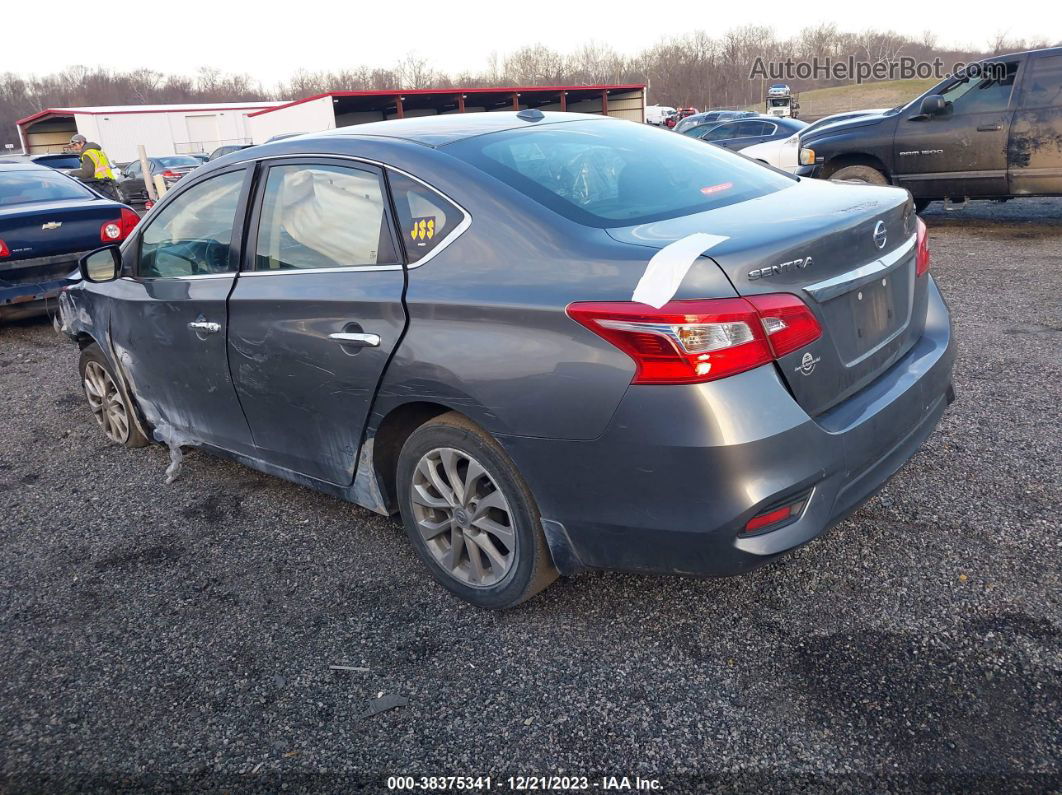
column 47, row 222
column 172, row 168
column 991, row 132
column 228, row 149
column 66, row 162
column 550, row 341
column 711, row 116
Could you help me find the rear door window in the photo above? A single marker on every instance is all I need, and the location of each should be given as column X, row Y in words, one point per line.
column 747, row 129
column 425, row 217
column 722, row 132
column 323, row 216
column 1043, row 83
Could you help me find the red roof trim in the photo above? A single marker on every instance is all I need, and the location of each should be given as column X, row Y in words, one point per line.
column 445, row 91
column 132, row 109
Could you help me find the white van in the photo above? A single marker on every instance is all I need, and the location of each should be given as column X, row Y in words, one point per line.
column 658, row 114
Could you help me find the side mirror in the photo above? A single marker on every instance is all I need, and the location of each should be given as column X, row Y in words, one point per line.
column 933, row 105
column 102, row 265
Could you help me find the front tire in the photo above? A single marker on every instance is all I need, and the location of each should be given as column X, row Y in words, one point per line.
column 108, row 402
column 865, row 174
column 470, row 516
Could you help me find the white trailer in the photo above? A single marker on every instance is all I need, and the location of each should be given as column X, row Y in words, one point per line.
column 162, row 129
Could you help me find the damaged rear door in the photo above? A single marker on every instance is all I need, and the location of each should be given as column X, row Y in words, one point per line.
column 1034, row 153
column 316, row 312
column 168, row 324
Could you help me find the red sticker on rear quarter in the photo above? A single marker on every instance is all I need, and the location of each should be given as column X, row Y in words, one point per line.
column 716, row 188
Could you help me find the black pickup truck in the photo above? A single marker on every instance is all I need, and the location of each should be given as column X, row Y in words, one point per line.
column 996, row 135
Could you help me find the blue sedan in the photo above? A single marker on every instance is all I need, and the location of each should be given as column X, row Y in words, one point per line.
column 47, row 222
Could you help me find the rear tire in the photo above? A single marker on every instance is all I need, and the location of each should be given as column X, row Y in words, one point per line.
column 866, row 174
column 112, row 410
column 470, row 516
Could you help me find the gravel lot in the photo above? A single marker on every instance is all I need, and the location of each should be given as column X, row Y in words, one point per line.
column 182, row 636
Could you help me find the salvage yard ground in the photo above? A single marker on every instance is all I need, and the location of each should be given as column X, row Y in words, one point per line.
column 186, row 634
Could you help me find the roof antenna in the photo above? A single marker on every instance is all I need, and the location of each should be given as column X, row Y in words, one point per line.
column 531, row 114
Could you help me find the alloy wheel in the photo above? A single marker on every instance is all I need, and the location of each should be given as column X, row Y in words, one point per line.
column 463, row 517
column 106, row 403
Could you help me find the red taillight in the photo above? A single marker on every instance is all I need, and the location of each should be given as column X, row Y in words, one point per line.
column 116, row 231
column 128, row 222
column 4, row 250
column 171, row 174
column 921, row 247
column 689, row 342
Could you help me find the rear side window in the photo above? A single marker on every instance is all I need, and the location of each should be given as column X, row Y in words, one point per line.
column 1043, row 83
column 616, row 173
column 323, row 216
column 425, row 218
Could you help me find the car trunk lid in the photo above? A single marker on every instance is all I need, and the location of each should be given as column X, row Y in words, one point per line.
column 820, row 241
column 48, row 228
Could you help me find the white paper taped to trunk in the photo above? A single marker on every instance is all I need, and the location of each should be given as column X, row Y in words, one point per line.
column 669, row 266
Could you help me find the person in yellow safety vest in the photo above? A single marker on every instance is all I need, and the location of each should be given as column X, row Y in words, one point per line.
column 95, row 168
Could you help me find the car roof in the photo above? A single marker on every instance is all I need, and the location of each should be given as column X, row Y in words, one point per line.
column 450, row 127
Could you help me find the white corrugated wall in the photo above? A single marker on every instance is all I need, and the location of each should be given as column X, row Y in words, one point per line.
column 313, row 116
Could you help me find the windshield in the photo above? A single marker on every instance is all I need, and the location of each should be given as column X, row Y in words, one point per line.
column 604, row 174
column 33, row 185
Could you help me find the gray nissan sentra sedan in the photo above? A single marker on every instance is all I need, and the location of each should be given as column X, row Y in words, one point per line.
column 550, row 341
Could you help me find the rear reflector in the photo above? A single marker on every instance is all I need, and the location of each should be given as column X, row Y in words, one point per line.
column 775, row 516
column 921, row 247
column 691, row 342
column 4, row 250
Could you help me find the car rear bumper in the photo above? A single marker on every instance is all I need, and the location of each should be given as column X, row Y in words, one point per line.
column 672, row 482
column 27, row 285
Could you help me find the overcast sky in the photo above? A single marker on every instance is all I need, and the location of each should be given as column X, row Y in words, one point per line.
column 272, row 40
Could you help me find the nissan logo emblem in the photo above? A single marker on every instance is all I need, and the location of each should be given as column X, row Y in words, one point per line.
column 880, row 235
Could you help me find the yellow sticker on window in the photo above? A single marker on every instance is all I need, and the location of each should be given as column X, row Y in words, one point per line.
column 423, row 230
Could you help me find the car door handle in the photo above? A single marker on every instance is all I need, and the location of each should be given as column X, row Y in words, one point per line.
column 357, row 340
column 990, row 128
column 205, row 326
